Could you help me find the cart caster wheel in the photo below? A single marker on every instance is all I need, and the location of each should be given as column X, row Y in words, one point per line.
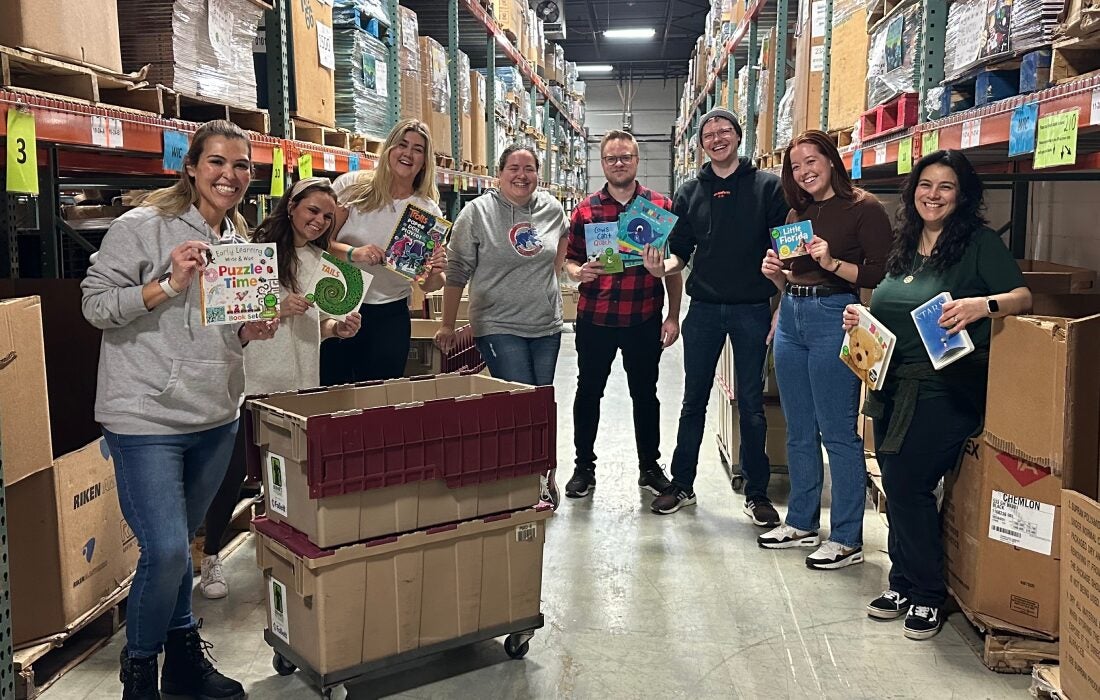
column 514, row 649
column 737, row 482
column 338, row 692
column 282, row 666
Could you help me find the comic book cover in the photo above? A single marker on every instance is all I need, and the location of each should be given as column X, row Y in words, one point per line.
column 417, row 234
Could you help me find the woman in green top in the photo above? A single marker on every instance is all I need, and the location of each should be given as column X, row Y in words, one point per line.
column 922, row 417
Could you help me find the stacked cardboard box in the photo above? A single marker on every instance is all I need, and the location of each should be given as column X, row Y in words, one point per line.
column 848, row 64
column 1080, row 588
column 478, row 124
column 90, row 35
column 312, row 67
column 408, row 62
column 465, row 110
column 435, row 91
column 809, row 66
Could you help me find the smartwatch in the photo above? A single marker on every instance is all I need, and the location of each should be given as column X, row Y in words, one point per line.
column 166, row 285
column 992, row 306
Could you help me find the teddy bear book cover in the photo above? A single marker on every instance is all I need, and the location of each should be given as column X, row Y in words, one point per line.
column 867, row 348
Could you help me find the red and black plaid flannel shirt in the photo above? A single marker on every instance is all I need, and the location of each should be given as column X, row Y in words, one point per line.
column 624, row 299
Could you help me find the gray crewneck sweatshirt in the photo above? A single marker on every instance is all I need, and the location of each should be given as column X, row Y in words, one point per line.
column 161, row 372
column 506, row 254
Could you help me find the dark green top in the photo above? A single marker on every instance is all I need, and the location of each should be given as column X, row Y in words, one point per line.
column 986, row 268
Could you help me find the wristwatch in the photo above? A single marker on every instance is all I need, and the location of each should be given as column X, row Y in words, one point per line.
column 166, row 285
column 992, row 306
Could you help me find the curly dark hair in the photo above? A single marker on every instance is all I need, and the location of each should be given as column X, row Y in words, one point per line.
column 959, row 228
column 277, row 229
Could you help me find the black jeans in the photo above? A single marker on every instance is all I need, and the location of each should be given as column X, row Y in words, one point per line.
column 932, row 447
column 379, row 351
column 641, row 349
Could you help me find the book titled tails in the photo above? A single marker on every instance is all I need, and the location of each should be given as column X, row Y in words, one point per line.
column 867, row 349
column 942, row 347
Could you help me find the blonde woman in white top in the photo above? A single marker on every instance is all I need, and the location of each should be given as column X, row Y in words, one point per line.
column 372, row 202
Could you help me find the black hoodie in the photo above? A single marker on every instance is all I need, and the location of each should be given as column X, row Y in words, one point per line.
column 727, row 222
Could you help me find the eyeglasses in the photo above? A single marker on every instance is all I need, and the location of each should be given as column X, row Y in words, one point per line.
column 625, row 160
column 724, row 133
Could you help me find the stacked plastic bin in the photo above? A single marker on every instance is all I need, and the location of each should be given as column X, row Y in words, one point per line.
column 402, row 519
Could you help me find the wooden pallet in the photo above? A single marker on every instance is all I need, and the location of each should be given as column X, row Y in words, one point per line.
column 1075, row 58
column 480, row 170
column 1046, row 682
column 366, row 144
column 467, row 166
column 999, row 650
column 27, row 72
column 301, row 130
column 237, row 531
column 442, row 160
column 841, row 137
column 42, row 664
column 199, row 109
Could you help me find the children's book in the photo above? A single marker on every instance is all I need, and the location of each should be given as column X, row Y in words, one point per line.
column 643, row 223
column 943, row 348
column 791, row 240
column 602, row 243
column 867, row 349
column 337, row 286
column 240, row 283
column 417, row 234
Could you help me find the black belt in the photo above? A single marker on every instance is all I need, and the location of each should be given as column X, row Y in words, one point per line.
column 801, row 290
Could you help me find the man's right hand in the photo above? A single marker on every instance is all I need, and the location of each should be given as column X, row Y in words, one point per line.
column 589, row 271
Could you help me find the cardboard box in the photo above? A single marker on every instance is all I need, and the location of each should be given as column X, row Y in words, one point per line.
column 478, row 125
column 570, row 298
column 810, row 65
column 314, row 86
column 1079, row 648
column 435, row 99
column 1051, row 419
column 425, row 357
column 509, row 16
column 848, row 64
column 339, row 609
column 369, row 460
column 776, row 442
column 1001, row 525
column 408, row 62
column 435, row 306
column 24, row 405
column 465, row 109
column 1050, row 278
column 69, row 546
column 88, row 34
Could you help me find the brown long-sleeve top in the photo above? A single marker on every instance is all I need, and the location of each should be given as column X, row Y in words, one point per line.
column 857, row 232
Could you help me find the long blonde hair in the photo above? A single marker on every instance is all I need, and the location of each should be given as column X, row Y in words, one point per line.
column 176, row 200
column 371, row 190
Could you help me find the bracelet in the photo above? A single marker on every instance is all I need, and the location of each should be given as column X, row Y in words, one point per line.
column 351, row 251
column 837, row 266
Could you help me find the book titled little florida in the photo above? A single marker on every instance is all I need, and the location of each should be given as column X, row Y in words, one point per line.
column 791, row 240
column 943, row 348
column 601, row 241
column 867, row 349
column 416, row 236
column 240, row 283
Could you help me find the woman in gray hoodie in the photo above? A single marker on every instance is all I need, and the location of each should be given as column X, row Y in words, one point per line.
column 168, row 397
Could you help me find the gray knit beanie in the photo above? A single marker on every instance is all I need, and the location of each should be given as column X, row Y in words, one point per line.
column 720, row 113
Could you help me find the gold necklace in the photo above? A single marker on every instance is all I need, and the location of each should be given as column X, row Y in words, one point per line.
column 914, row 271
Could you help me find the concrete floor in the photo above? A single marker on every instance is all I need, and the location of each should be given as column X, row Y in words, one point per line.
column 639, row 605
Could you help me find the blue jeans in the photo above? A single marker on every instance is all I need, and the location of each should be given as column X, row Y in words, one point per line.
column 165, row 484
column 705, row 330
column 514, row 358
column 820, row 397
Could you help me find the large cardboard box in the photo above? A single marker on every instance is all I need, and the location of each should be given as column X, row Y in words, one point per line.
column 24, row 406
column 848, row 64
column 465, row 110
column 369, row 460
column 478, row 126
column 69, row 546
column 1079, row 645
column 339, row 609
column 1051, row 418
column 1001, row 525
column 435, row 99
column 810, row 65
column 87, row 33
column 408, row 63
column 1051, row 278
column 435, row 306
column 314, row 85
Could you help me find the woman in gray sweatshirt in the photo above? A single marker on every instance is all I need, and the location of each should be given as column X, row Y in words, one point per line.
column 168, row 397
column 509, row 245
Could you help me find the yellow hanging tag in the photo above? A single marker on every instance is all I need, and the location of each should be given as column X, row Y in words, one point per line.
column 278, row 173
column 22, row 151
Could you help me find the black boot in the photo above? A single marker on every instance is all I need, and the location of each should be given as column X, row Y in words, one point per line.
column 187, row 671
column 139, row 678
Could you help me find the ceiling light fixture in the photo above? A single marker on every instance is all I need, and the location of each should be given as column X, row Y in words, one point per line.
column 595, row 68
column 647, row 33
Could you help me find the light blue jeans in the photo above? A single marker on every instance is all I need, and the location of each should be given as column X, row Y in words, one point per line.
column 514, row 358
column 820, row 397
column 165, row 485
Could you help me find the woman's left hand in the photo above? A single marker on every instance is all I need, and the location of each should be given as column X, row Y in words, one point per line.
column 257, row 330
column 959, row 313
column 349, row 326
column 819, row 250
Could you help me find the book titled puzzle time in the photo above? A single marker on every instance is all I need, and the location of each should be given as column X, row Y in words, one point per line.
column 240, row 283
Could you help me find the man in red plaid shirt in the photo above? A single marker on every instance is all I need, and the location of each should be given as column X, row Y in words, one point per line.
column 619, row 312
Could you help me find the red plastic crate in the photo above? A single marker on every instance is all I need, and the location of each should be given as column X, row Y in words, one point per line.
column 426, row 358
column 895, row 115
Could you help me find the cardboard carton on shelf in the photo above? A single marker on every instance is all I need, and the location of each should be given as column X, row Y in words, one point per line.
column 478, row 124
column 435, row 87
column 314, row 91
column 70, row 548
column 24, row 406
column 87, row 35
column 408, row 63
column 1079, row 655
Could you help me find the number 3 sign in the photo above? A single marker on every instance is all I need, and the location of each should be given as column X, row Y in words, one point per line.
column 22, row 166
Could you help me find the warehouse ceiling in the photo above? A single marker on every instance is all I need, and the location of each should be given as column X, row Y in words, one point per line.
column 678, row 24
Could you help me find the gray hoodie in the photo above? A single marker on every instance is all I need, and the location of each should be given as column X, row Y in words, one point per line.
column 506, row 254
column 161, row 372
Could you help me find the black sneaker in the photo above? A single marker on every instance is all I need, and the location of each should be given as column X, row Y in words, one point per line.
column 582, row 482
column 653, row 479
column 762, row 512
column 889, row 606
column 672, row 500
column 922, row 622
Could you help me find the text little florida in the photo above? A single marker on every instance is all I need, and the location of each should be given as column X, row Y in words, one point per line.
column 240, row 284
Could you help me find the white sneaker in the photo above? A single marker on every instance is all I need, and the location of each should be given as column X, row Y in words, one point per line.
column 211, row 578
column 785, row 537
column 833, row 555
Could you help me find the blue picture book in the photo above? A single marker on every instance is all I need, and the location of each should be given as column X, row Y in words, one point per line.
column 602, row 243
column 790, row 240
column 643, row 223
column 942, row 348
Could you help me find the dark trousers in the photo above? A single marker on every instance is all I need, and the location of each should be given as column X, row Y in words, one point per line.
column 229, row 494
column 931, row 448
column 379, row 351
column 641, row 349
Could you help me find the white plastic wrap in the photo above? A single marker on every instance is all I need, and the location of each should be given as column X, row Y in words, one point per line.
column 785, row 119
column 891, row 58
column 361, row 75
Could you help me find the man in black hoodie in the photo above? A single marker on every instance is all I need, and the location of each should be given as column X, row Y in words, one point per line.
column 726, row 214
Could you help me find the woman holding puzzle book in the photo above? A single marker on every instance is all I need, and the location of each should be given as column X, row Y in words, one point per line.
column 923, row 415
column 835, row 241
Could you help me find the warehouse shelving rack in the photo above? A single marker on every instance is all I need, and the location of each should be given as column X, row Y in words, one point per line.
column 68, row 157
